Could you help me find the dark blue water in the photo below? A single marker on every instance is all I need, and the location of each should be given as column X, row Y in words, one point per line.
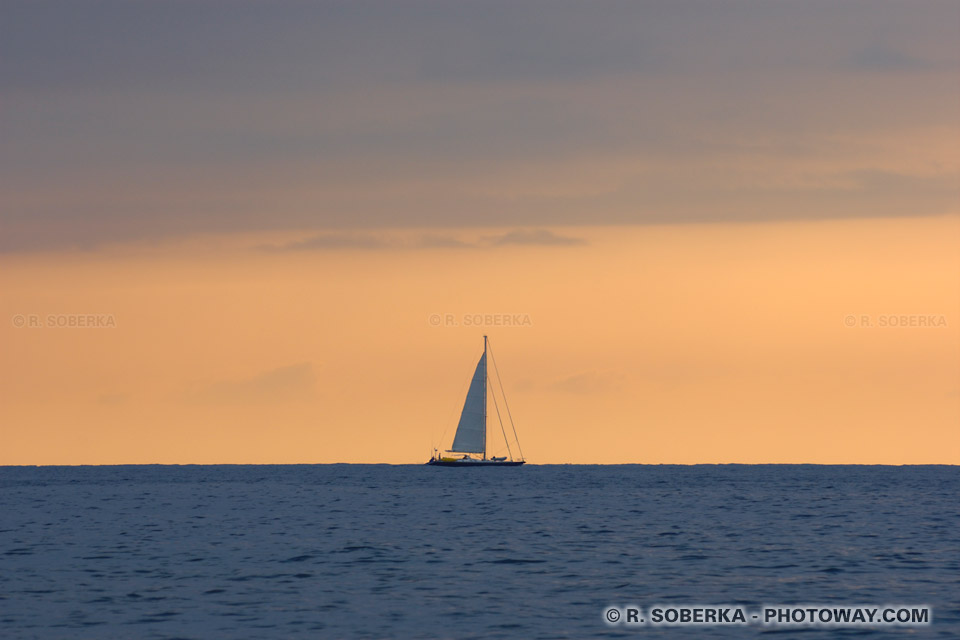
column 349, row 551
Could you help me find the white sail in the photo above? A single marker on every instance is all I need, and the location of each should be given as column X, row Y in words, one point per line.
column 471, row 431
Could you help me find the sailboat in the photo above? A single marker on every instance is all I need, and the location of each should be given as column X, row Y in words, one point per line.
column 471, row 436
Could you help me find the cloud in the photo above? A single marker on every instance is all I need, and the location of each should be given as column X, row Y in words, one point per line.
column 589, row 382
column 440, row 241
column 284, row 384
column 335, row 241
column 541, row 237
column 329, row 241
column 431, row 115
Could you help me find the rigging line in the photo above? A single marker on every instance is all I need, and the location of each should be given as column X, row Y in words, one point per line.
column 496, row 369
column 500, row 420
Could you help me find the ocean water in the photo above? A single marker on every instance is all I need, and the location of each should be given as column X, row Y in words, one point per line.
column 377, row 551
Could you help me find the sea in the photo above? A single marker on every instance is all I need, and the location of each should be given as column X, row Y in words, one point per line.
column 411, row 551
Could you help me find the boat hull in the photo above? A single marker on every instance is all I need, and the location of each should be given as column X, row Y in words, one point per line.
column 476, row 463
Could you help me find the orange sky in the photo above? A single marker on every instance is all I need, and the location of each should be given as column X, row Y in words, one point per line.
column 658, row 344
column 704, row 214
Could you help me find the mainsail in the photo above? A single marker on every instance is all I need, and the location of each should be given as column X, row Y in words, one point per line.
column 472, row 429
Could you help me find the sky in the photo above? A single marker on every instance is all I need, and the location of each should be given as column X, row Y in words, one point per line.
column 696, row 232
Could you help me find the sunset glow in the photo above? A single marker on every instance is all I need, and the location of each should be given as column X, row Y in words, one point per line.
column 743, row 249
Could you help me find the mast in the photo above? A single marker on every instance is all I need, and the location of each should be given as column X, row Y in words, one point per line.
column 484, row 398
